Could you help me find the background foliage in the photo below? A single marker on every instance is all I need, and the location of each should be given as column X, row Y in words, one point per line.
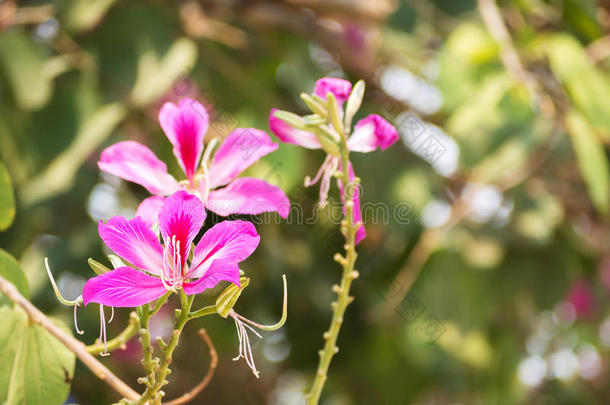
column 503, row 224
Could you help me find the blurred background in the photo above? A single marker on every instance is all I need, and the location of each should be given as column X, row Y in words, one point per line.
column 485, row 277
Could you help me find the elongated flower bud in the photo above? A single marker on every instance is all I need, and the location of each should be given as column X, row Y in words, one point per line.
column 227, row 299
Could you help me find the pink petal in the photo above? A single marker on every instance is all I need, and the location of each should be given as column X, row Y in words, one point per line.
column 242, row 148
column 289, row 134
column 134, row 241
column 185, row 126
column 218, row 271
column 228, row 241
column 248, row 196
column 148, row 209
column 357, row 212
column 339, row 87
column 182, row 216
column 123, row 287
column 134, row 162
column 370, row 133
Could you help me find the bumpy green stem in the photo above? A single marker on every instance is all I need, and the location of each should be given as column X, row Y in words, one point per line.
column 349, row 228
column 153, row 393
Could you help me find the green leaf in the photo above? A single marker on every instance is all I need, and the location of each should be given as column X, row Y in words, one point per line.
column 11, row 270
column 587, row 86
column 592, row 159
column 85, row 14
column 156, row 75
column 23, row 62
column 35, row 368
column 7, row 199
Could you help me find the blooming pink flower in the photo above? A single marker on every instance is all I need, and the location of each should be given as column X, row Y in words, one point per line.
column 369, row 134
column 161, row 268
column 185, row 126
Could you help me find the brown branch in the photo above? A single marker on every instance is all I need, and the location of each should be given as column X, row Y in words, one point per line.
column 74, row 345
column 206, row 379
column 492, row 18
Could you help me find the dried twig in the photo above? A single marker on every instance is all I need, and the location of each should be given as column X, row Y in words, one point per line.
column 206, row 379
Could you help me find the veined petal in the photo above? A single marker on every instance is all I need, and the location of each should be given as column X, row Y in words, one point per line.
column 357, row 212
column 218, row 271
column 248, row 196
column 339, row 87
column 181, row 216
column 185, row 126
column 123, row 287
column 370, row 133
column 242, row 148
column 228, row 241
column 134, row 162
column 134, row 241
column 288, row 134
column 149, row 208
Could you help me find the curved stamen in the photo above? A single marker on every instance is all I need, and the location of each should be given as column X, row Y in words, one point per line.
column 80, row 332
column 111, row 315
column 309, row 182
column 60, row 297
column 282, row 320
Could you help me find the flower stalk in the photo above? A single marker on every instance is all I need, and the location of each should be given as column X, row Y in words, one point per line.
column 347, row 262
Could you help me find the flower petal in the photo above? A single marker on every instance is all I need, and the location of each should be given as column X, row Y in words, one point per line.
column 134, row 241
column 149, row 208
column 218, row 271
column 339, row 87
column 134, row 162
column 288, row 134
column 248, row 196
column 370, row 133
column 185, row 126
column 242, row 148
column 182, row 216
column 123, row 287
column 228, row 241
column 357, row 212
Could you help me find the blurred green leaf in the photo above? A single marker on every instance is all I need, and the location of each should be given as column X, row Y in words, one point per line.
column 587, row 86
column 10, row 270
column 156, row 74
column 84, row 14
column 59, row 175
column 35, row 368
column 23, row 62
column 472, row 43
column 7, row 199
column 592, row 159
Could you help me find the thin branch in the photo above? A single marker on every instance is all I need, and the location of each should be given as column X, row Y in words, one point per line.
column 74, row 345
column 206, row 379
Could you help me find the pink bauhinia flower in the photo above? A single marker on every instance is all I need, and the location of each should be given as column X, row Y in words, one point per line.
column 160, row 268
column 369, row 134
column 185, row 126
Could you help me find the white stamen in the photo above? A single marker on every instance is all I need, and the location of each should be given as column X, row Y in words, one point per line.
column 325, row 173
column 245, row 348
column 80, row 332
column 171, row 276
column 111, row 315
column 103, row 331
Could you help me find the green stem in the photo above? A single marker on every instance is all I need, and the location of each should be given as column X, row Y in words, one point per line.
column 209, row 310
column 147, row 347
column 119, row 341
column 153, row 392
column 343, row 298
